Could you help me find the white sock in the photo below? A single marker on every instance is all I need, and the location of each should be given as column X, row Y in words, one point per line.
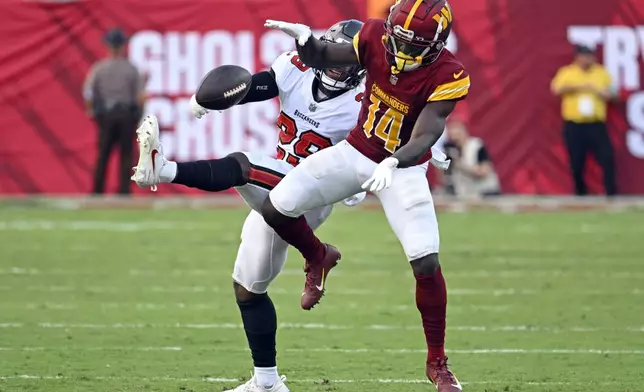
column 266, row 376
column 168, row 172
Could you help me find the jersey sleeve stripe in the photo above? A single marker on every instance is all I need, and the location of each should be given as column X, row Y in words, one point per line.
column 356, row 42
column 451, row 90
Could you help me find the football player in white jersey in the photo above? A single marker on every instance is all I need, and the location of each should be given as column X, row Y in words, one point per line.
column 318, row 109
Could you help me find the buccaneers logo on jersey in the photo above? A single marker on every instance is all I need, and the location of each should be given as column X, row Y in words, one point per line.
column 416, row 32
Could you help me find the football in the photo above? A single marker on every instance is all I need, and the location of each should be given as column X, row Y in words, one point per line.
column 223, row 87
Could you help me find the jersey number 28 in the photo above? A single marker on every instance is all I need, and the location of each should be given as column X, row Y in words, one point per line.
column 308, row 142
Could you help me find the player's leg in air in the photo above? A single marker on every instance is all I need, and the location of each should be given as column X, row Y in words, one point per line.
column 213, row 175
column 261, row 255
column 324, row 178
column 409, row 207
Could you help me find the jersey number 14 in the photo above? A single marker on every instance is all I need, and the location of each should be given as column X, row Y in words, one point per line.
column 387, row 127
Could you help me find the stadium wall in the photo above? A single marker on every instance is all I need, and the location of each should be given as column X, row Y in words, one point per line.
column 512, row 49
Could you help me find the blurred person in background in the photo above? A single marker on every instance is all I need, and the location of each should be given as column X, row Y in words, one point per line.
column 471, row 173
column 114, row 97
column 585, row 90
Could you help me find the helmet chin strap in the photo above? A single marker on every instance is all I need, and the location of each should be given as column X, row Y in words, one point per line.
column 325, row 88
column 332, row 84
column 320, row 94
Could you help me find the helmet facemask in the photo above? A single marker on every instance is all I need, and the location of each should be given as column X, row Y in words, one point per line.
column 407, row 52
column 342, row 78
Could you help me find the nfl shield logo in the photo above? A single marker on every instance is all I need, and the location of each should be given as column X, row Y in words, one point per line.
column 312, row 107
column 393, row 79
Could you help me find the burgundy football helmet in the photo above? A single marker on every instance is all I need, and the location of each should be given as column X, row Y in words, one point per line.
column 416, row 32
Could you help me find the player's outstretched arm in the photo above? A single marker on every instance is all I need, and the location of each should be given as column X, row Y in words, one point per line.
column 318, row 54
column 428, row 128
column 312, row 51
column 263, row 87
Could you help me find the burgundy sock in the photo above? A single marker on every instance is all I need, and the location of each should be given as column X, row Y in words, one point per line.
column 298, row 233
column 431, row 300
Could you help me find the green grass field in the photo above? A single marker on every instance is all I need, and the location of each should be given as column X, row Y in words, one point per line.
column 135, row 300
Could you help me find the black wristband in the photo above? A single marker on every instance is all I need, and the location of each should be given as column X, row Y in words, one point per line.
column 263, row 87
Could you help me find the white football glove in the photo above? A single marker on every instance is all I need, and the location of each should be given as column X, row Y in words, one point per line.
column 300, row 32
column 381, row 177
column 197, row 110
column 355, row 199
column 439, row 159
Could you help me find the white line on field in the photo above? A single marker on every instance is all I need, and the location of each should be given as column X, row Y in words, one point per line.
column 277, row 291
column 169, row 348
column 471, row 274
column 315, row 381
column 113, row 378
column 372, row 327
column 481, row 351
column 10, row 325
column 31, row 225
column 218, row 306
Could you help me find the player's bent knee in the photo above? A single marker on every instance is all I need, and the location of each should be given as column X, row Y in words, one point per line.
column 241, row 294
column 286, row 202
column 272, row 215
column 426, row 265
column 244, row 162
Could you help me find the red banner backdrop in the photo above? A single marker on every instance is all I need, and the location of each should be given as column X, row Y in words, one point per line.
column 512, row 49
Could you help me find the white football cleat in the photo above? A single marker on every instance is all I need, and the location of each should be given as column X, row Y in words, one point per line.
column 252, row 386
column 151, row 159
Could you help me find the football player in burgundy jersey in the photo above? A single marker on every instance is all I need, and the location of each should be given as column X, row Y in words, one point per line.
column 413, row 83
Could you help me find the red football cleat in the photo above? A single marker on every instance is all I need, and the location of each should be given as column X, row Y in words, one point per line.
column 316, row 274
column 438, row 372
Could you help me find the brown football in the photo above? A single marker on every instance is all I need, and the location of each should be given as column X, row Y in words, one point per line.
column 223, row 87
